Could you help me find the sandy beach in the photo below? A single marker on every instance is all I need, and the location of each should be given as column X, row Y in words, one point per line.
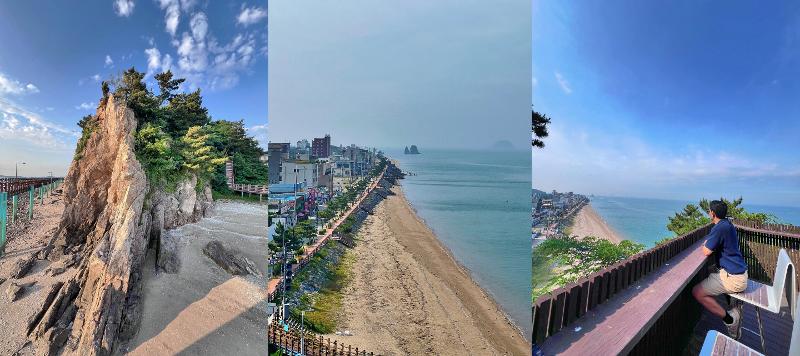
column 408, row 296
column 589, row 223
column 203, row 309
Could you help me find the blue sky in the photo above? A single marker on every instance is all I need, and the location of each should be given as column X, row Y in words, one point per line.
column 438, row 74
column 54, row 55
column 695, row 99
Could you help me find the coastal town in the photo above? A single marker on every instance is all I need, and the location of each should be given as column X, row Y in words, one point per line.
column 553, row 213
column 314, row 188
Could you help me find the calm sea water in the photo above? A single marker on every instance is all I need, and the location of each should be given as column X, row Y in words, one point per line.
column 478, row 204
column 645, row 220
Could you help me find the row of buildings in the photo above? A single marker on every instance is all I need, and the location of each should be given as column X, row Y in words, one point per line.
column 552, row 212
column 304, row 176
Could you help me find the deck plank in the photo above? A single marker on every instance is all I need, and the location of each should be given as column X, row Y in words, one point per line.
column 615, row 326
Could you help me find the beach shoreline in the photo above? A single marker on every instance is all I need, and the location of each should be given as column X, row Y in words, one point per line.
column 589, row 223
column 427, row 301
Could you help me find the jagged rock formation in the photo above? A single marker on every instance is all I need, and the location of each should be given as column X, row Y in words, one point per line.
column 411, row 151
column 110, row 217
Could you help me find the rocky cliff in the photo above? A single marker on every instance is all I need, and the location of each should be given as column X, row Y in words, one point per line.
column 111, row 216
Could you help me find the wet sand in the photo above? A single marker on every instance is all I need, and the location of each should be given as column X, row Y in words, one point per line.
column 203, row 309
column 589, row 223
column 408, row 296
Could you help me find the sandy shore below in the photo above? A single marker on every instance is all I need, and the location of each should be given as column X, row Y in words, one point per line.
column 589, row 223
column 202, row 309
column 408, row 296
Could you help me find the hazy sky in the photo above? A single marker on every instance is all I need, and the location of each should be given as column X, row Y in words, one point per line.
column 54, row 54
column 444, row 74
column 690, row 100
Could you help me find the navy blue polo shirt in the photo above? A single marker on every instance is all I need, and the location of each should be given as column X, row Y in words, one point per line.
column 724, row 241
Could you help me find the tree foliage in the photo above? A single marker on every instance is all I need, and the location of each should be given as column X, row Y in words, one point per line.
column 176, row 137
column 695, row 216
column 576, row 258
column 160, row 160
column 539, row 124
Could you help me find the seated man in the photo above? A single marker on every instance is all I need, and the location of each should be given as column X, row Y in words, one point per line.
column 723, row 242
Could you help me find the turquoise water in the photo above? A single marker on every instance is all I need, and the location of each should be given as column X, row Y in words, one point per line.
column 478, row 204
column 645, row 220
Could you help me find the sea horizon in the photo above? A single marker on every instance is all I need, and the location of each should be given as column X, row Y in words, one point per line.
column 645, row 220
column 478, row 206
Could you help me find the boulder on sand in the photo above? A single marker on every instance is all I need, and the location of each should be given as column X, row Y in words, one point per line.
column 230, row 260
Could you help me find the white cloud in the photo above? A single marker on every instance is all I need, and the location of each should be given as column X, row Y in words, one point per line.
column 199, row 26
column 563, row 83
column 172, row 14
column 251, row 15
column 124, row 8
column 15, row 87
column 199, row 57
column 96, row 77
column 156, row 62
column 259, row 132
column 86, row 106
column 109, row 62
column 588, row 160
column 21, row 124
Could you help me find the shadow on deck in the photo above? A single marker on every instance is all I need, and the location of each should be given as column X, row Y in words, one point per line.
column 777, row 330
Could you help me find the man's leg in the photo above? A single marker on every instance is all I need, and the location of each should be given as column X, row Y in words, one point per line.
column 708, row 301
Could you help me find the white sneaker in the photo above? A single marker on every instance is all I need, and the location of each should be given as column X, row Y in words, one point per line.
column 734, row 328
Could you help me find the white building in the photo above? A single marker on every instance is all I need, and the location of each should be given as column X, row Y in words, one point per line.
column 294, row 172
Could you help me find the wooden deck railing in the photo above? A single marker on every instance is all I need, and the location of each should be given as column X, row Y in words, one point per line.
column 760, row 244
column 565, row 306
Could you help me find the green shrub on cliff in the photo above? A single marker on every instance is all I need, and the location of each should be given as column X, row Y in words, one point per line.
column 87, row 124
column 566, row 259
column 158, row 157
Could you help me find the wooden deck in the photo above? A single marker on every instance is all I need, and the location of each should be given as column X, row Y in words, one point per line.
column 616, row 326
column 777, row 330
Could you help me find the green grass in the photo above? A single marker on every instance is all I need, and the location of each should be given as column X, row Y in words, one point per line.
column 324, row 306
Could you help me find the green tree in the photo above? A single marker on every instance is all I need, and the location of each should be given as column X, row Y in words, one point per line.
column 133, row 91
column 576, row 258
column 281, row 235
column 185, row 110
column 695, row 216
column 539, row 124
column 167, row 86
column 155, row 151
column 199, row 157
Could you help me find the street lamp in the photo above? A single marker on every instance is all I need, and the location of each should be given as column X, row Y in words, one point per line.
column 16, row 169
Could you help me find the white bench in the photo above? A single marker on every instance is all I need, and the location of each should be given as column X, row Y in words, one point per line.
column 769, row 298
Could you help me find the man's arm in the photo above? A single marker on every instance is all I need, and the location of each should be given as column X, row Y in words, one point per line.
column 712, row 242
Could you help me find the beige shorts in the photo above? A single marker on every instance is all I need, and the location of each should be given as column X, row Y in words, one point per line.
column 724, row 283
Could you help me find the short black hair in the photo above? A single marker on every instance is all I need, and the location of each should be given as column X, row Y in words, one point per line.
column 719, row 208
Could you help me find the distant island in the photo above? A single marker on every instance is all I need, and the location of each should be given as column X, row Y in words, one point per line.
column 503, row 145
column 412, row 151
